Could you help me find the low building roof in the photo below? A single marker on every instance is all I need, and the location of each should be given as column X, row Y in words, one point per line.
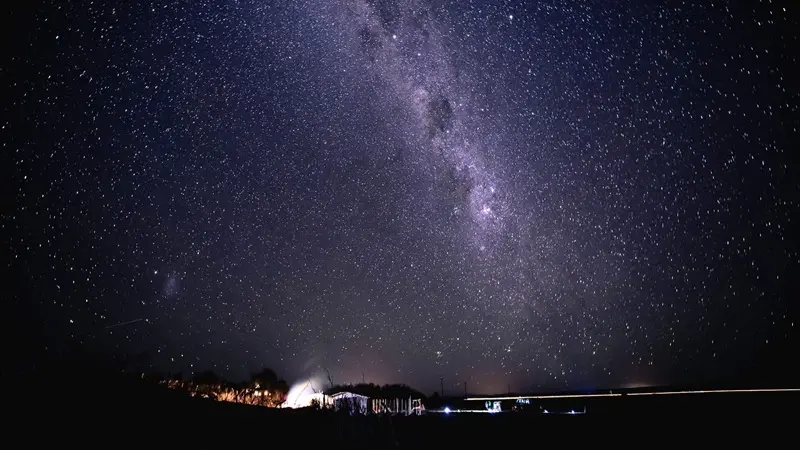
column 347, row 394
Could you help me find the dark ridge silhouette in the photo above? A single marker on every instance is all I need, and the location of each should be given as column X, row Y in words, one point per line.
column 90, row 395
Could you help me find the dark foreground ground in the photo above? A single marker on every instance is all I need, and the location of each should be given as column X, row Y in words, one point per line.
column 72, row 408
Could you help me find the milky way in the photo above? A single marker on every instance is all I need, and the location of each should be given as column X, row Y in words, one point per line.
column 512, row 195
column 403, row 45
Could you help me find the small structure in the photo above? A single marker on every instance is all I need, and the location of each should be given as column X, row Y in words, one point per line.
column 357, row 399
column 395, row 406
column 350, row 402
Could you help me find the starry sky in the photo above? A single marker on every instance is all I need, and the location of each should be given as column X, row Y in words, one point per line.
column 513, row 195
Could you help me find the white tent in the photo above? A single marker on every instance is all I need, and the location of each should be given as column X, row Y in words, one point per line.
column 303, row 395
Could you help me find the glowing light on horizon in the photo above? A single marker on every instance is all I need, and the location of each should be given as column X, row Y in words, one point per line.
column 620, row 394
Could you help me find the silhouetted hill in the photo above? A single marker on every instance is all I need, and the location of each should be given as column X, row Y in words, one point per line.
column 81, row 400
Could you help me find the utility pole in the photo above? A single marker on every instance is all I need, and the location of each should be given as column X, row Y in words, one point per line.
column 441, row 386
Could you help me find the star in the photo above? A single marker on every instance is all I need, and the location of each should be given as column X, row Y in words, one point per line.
column 408, row 190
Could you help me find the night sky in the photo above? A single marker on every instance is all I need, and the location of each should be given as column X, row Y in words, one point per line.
column 517, row 195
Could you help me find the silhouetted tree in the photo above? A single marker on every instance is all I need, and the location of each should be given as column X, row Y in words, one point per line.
column 208, row 384
column 263, row 389
column 282, row 387
column 434, row 401
column 268, row 380
column 207, row 378
column 265, row 379
column 154, row 377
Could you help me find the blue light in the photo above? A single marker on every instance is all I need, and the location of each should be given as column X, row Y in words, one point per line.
column 447, row 410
